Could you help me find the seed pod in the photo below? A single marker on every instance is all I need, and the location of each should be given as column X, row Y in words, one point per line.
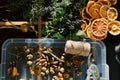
column 45, row 52
column 40, row 60
column 43, row 68
column 27, row 51
column 78, row 72
column 60, row 74
column 47, row 71
column 24, row 28
column 30, row 56
column 62, row 70
column 66, row 75
column 55, row 78
column 52, row 70
column 62, row 57
column 55, row 62
column 71, row 78
column 43, row 74
column 60, row 63
column 44, row 63
column 50, row 50
column 68, row 63
column 29, row 63
column 61, row 79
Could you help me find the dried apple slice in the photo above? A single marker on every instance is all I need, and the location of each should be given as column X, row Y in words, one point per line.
column 99, row 27
column 112, row 14
column 103, row 11
column 114, row 27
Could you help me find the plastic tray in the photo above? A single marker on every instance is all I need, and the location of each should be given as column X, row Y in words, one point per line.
column 98, row 48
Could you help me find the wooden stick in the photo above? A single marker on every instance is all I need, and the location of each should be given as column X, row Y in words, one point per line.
column 39, row 27
column 18, row 23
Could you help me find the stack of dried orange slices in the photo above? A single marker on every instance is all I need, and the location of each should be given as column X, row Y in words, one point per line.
column 102, row 17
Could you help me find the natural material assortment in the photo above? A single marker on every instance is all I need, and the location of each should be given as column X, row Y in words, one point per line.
column 102, row 19
column 98, row 18
column 12, row 69
column 43, row 62
column 71, row 19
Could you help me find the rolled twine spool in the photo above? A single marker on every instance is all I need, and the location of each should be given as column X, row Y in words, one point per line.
column 77, row 48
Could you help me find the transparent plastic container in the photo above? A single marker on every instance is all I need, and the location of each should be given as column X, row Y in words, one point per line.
column 8, row 54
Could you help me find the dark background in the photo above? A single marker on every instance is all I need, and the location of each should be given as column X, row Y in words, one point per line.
column 110, row 41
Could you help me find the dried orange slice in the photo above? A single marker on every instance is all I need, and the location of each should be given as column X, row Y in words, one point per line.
column 113, row 2
column 84, row 14
column 98, row 37
column 112, row 14
column 103, row 11
column 114, row 27
column 93, row 0
column 91, row 36
column 99, row 27
column 105, row 2
column 94, row 10
column 89, row 4
column 84, row 23
column 88, row 32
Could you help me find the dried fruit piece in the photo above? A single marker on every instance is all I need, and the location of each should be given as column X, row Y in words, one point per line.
column 112, row 14
column 113, row 2
column 99, row 29
column 98, row 37
column 105, row 2
column 88, row 32
column 114, row 27
column 103, row 11
column 24, row 28
column 89, row 4
column 94, row 10
column 84, row 14
column 93, row 0
column 84, row 23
